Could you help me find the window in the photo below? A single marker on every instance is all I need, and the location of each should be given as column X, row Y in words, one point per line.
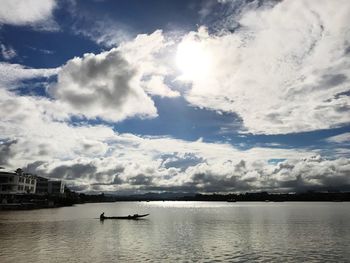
column 3, row 179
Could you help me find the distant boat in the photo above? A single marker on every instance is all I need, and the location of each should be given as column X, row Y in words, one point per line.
column 231, row 200
column 134, row 217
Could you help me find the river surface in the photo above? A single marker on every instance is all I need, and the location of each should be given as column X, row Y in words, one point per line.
column 179, row 232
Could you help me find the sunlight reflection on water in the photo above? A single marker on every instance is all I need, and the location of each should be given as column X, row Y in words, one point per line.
column 179, row 231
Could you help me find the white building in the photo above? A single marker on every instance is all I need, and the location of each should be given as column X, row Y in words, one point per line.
column 24, row 183
column 46, row 186
column 42, row 185
column 17, row 183
column 56, row 187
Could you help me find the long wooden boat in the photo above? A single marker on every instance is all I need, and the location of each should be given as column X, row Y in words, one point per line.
column 135, row 216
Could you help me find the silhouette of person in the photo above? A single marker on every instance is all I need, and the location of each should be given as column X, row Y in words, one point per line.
column 102, row 216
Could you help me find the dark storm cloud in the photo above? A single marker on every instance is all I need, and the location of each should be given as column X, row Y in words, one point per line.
column 73, row 172
column 345, row 93
column 240, row 167
column 209, row 182
column 325, row 82
column 113, row 174
column 282, row 166
column 313, row 173
column 140, row 179
column 347, row 50
column 117, row 180
column 181, row 161
column 297, row 184
column 88, row 172
column 332, row 80
column 33, row 167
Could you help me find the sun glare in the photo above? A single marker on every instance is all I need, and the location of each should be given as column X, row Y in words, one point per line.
column 192, row 60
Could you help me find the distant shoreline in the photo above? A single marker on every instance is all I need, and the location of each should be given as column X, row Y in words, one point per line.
column 30, row 201
column 26, row 206
column 243, row 197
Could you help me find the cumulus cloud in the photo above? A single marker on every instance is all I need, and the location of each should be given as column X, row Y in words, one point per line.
column 130, row 163
column 35, row 135
column 156, row 86
column 223, row 175
column 284, row 70
column 111, row 85
column 312, row 173
column 37, row 13
column 39, row 128
column 149, row 53
column 103, row 85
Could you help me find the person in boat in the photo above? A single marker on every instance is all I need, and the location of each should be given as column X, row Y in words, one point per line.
column 102, row 216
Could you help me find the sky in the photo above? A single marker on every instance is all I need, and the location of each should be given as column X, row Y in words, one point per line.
column 192, row 96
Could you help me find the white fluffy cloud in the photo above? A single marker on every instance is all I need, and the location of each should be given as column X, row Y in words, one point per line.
column 103, row 85
column 285, row 69
column 12, row 74
column 28, row 12
column 148, row 53
column 112, row 85
column 156, row 86
column 35, row 134
column 156, row 170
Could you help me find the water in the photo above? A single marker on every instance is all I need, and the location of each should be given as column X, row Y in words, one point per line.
column 179, row 232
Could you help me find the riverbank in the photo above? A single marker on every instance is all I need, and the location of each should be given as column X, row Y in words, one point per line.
column 32, row 201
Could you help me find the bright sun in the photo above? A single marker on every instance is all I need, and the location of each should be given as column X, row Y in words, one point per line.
column 193, row 60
